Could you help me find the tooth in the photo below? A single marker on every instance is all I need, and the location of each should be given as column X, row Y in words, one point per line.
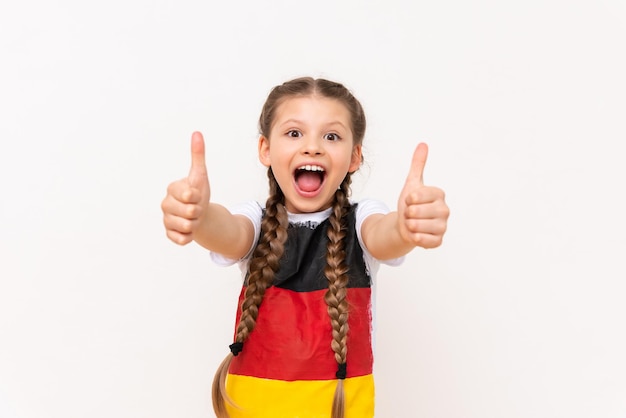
column 309, row 167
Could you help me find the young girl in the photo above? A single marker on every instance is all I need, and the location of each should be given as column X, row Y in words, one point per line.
column 303, row 345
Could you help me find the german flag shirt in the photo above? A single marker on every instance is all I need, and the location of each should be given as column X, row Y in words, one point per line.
column 287, row 366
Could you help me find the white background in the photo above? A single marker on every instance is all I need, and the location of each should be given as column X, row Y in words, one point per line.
column 519, row 314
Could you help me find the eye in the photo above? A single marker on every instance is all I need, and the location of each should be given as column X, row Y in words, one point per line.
column 332, row 137
column 294, row 134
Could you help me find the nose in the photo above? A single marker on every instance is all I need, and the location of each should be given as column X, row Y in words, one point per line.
column 312, row 146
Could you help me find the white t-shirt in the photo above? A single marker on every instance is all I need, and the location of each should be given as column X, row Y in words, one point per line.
column 254, row 211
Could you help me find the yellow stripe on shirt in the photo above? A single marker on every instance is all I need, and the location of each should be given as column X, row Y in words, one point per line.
column 268, row 398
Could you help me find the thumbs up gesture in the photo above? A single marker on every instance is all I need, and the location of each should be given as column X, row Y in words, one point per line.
column 187, row 199
column 422, row 210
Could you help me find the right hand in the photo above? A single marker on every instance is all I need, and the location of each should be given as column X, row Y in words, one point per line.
column 187, row 199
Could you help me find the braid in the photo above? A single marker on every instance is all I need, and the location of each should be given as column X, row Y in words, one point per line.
column 336, row 273
column 263, row 266
column 265, row 259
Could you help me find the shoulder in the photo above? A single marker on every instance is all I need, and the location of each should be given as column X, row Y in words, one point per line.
column 253, row 211
column 250, row 209
column 368, row 207
column 364, row 209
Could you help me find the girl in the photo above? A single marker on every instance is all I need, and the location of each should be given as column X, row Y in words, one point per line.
column 302, row 345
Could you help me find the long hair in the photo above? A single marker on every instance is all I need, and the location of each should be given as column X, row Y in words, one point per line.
column 270, row 248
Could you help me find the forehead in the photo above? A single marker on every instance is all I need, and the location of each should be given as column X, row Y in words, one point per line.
column 312, row 110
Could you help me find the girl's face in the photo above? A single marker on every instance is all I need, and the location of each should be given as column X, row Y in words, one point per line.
column 310, row 149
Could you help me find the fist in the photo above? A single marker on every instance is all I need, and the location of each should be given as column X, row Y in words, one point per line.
column 422, row 210
column 187, row 199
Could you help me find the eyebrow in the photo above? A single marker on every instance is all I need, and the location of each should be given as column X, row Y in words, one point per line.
column 299, row 122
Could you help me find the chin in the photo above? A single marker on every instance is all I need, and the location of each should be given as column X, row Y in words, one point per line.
column 307, row 207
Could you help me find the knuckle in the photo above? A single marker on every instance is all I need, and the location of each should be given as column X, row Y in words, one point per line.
column 186, row 226
column 192, row 211
column 178, row 238
column 186, row 195
column 174, row 237
column 416, row 239
column 171, row 188
column 413, row 197
column 413, row 225
column 165, row 204
column 414, row 211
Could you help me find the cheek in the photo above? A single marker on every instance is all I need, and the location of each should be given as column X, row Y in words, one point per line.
column 279, row 163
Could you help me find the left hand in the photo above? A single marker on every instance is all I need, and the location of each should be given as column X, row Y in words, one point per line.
column 422, row 210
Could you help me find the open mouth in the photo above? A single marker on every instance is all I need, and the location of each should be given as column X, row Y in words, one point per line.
column 309, row 178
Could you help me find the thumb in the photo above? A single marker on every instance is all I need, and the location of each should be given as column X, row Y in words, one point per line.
column 198, row 171
column 416, row 172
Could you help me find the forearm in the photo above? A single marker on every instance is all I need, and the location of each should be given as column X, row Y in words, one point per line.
column 382, row 237
column 222, row 232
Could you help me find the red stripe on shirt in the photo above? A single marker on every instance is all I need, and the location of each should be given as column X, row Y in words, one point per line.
column 292, row 337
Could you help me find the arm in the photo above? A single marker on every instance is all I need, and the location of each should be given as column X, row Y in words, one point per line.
column 421, row 218
column 188, row 214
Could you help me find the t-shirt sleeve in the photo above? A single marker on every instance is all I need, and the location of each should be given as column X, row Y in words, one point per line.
column 251, row 210
column 364, row 209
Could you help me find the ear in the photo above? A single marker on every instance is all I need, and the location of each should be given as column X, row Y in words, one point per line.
column 357, row 159
column 264, row 151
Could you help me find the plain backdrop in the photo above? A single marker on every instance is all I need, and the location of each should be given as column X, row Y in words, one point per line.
column 520, row 314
